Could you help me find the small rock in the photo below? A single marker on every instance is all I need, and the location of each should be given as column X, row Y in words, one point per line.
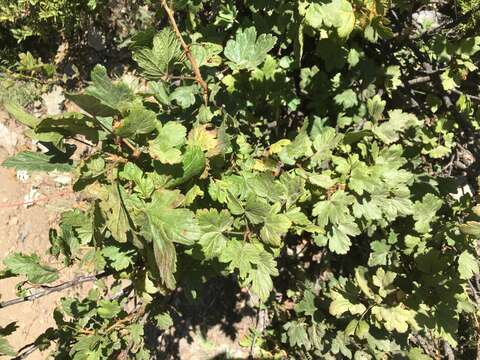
column 13, row 221
column 22, row 176
column 8, row 139
column 53, row 100
column 63, row 180
column 31, row 197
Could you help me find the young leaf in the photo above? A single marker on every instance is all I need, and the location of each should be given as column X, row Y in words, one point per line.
column 157, row 61
column 5, row 348
column 29, row 266
column 112, row 95
column 467, row 265
column 138, row 121
column 165, row 146
column 247, row 51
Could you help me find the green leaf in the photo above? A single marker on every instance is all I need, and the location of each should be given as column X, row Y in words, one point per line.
column 138, row 121
column 261, row 279
column 389, row 132
column 119, row 260
column 70, row 125
column 111, row 95
column 164, row 321
column 297, row 334
column 246, row 51
column 467, row 265
column 375, row 107
column 144, row 184
column 425, row 211
column 256, row 209
column 255, row 265
column 81, row 222
column 32, row 161
column 114, row 211
column 275, row 227
column 29, row 266
column 339, row 241
column 315, row 16
column 341, row 15
column 165, row 146
column 334, row 210
column 307, row 304
column 193, row 164
column 470, row 228
column 347, row 99
column 159, row 91
column 5, row 348
column 394, row 318
column 362, row 282
column 384, row 281
column 184, row 95
column 240, row 256
column 340, row 305
column 165, row 52
column 108, row 309
column 19, row 113
column 417, row 354
column 300, row 147
column 91, row 104
column 379, row 254
column 207, row 54
column 167, row 223
column 448, row 82
column 213, row 225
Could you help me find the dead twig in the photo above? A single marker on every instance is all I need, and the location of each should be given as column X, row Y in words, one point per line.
column 77, row 281
column 186, row 50
column 36, row 201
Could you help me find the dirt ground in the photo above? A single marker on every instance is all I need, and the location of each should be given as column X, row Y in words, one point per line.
column 25, row 229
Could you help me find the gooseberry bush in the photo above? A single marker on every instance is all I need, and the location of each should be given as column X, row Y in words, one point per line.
column 307, row 150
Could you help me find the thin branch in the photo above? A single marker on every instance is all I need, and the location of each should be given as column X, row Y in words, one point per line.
column 419, row 80
column 186, row 49
column 448, row 351
column 259, row 328
column 26, row 353
column 471, row 97
column 77, row 281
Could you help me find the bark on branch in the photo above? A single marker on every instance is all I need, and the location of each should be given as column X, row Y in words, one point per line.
column 77, row 281
column 186, row 50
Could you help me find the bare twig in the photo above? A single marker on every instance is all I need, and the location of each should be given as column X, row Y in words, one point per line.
column 27, row 352
column 77, row 281
column 261, row 320
column 186, row 49
column 36, row 201
column 419, row 80
column 471, row 97
column 448, row 351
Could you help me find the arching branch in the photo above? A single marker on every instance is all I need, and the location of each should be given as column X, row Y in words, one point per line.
column 77, row 281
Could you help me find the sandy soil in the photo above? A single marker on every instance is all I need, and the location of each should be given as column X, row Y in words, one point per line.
column 25, row 229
